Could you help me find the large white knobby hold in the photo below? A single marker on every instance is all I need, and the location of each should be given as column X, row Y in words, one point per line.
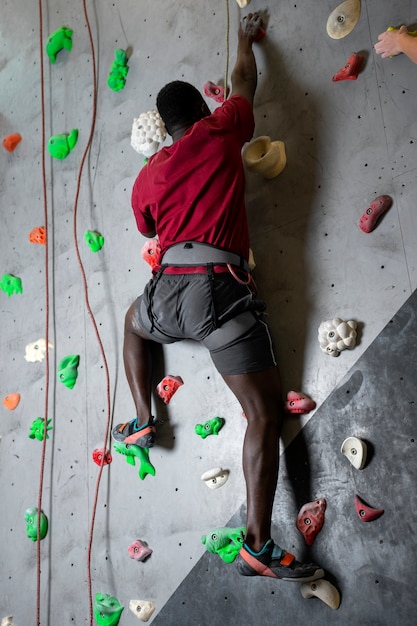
column 148, row 131
column 336, row 335
column 7, row 621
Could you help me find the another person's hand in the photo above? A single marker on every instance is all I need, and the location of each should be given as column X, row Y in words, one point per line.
column 250, row 27
column 389, row 42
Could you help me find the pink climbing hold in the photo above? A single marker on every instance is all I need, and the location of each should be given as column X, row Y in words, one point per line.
column 168, row 386
column 310, row 519
column 139, row 550
column 366, row 513
column 214, row 91
column 298, row 402
column 372, row 214
column 351, row 68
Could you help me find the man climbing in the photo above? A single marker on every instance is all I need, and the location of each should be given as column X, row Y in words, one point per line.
column 191, row 194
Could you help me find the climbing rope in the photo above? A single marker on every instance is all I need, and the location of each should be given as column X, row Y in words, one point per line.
column 87, row 302
column 90, row 312
column 46, row 408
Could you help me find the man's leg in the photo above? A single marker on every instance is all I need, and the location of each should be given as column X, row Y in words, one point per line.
column 259, row 395
column 138, row 367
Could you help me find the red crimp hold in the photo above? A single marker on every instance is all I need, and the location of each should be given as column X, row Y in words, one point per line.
column 351, row 68
column 101, row 456
column 214, row 91
column 168, row 386
column 366, row 513
column 310, row 519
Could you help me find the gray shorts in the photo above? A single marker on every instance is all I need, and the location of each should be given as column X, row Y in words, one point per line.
column 217, row 311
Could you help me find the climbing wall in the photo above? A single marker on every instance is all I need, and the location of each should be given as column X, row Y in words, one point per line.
column 347, row 142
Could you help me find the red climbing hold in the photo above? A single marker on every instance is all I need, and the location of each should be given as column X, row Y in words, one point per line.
column 38, row 235
column 10, row 142
column 310, row 519
column 372, row 214
column 99, row 454
column 11, row 401
column 351, row 68
column 150, row 252
column 168, row 386
column 366, row 513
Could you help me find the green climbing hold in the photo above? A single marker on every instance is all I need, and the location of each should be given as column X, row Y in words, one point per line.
column 11, row 284
column 132, row 452
column 118, row 71
column 39, row 429
column 59, row 146
column 107, row 609
column 31, row 519
column 57, row 41
column 226, row 542
column 94, row 240
column 211, row 427
column 68, row 370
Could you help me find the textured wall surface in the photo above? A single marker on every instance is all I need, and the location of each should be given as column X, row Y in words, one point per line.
column 346, row 143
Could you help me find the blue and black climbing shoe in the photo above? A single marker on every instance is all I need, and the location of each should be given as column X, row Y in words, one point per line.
column 274, row 562
column 131, row 432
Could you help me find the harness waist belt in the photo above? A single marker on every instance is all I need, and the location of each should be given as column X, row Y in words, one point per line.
column 195, row 253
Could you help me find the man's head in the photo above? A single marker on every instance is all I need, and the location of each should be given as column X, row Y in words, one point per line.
column 180, row 105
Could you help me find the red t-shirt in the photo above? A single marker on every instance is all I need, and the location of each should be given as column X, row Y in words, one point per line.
column 194, row 189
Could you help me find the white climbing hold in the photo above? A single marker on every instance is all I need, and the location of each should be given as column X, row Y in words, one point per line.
column 323, row 590
column 215, row 477
column 36, row 350
column 336, row 335
column 143, row 609
column 355, row 451
column 148, row 131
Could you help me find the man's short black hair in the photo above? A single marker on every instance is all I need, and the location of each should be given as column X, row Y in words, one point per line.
column 179, row 103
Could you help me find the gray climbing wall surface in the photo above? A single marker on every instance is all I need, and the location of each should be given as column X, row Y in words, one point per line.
column 346, row 143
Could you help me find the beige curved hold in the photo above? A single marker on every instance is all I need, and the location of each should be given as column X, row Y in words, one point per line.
column 215, row 477
column 7, row 621
column 343, row 19
column 243, row 3
column 265, row 156
column 143, row 609
column 355, row 451
column 323, row 590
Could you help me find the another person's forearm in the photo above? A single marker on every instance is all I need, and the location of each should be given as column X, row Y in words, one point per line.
column 393, row 42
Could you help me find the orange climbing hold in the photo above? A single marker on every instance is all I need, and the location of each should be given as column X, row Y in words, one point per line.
column 38, row 235
column 11, row 401
column 10, row 142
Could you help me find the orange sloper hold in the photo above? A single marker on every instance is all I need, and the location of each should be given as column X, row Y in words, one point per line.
column 11, row 401
column 38, row 235
column 10, row 142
